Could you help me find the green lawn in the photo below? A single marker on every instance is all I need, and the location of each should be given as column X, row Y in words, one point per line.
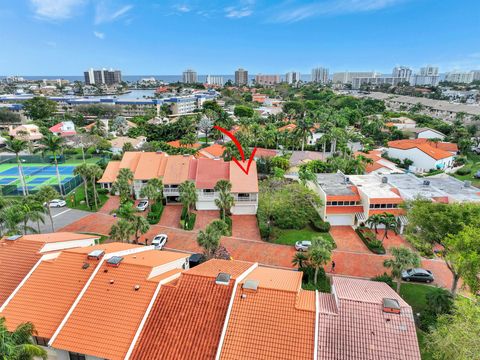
column 75, row 198
column 289, row 237
column 474, row 164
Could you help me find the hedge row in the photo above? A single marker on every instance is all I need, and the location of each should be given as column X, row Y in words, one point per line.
column 155, row 213
column 369, row 239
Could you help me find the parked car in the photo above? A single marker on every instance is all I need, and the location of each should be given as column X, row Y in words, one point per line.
column 142, row 205
column 303, row 245
column 159, row 241
column 196, row 259
column 418, row 274
column 57, row 203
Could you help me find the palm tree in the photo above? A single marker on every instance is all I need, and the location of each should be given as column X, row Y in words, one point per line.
column 16, row 146
column 84, row 171
column 188, row 140
column 18, row 345
column 55, row 145
column 300, row 259
column 153, row 190
column 374, row 221
column 123, row 184
column 304, row 124
column 188, row 195
column 46, row 194
column 225, row 200
column 32, row 210
column 140, row 225
column 209, row 239
column 319, row 254
column 390, row 223
column 403, row 259
column 95, row 173
column 12, row 217
column 122, row 231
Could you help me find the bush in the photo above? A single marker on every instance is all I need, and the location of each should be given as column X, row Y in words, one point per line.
column 153, row 217
column 157, row 207
column 102, row 191
column 320, row 225
column 189, row 222
column 308, row 280
column 464, row 171
column 184, row 213
column 387, row 279
column 228, row 221
column 369, row 239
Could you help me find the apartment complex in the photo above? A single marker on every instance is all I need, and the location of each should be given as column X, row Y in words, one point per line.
column 460, row 77
column 102, row 77
column 127, row 302
column 320, row 75
column 176, row 169
column 267, row 80
column 241, row 77
column 402, row 72
column 190, row 76
column 215, row 80
column 347, row 77
column 292, row 77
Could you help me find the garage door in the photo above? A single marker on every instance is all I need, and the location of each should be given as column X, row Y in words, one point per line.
column 244, row 210
column 340, row 219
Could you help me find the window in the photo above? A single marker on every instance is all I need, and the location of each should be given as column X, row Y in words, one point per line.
column 334, row 203
column 383, row 206
column 76, row 356
column 243, row 195
column 41, row 341
column 208, row 191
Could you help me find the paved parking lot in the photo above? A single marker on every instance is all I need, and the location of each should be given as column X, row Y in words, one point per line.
column 61, row 217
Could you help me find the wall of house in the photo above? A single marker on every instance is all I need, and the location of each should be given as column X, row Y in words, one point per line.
column 340, row 219
column 429, row 134
column 57, row 354
column 421, row 161
column 61, row 245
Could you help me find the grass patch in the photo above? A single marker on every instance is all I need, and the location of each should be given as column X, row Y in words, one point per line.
column 422, row 343
column 290, row 236
column 75, row 198
column 473, row 163
column 415, row 295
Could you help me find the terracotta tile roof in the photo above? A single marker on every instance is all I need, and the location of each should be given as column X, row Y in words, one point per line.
column 436, row 151
column 111, row 172
column 327, row 304
column 176, row 144
column 17, row 258
column 119, row 141
column 261, row 152
column 288, row 127
column 105, row 320
column 212, row 151
column 130, row 160
column 277, row 279
column 209, row 171
column 241, row 182
column 150, row 165
column 187, row 317
column 176, row 171
column 269, row 323
column 359, row 329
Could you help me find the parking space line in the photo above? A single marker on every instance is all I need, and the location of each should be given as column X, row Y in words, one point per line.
column 63, row 212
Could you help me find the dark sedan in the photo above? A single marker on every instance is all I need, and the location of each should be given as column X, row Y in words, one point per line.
column 420, row 275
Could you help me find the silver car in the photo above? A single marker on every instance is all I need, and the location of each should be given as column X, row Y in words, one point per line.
column 303, row 245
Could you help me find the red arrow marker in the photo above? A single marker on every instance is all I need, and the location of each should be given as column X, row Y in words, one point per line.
column 240, row 149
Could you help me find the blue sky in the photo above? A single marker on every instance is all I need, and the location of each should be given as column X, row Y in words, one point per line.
column 65, row 37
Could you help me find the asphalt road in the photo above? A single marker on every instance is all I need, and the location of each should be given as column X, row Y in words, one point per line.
column 61, row 217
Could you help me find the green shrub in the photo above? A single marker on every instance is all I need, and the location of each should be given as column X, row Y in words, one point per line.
column 464, row 171
column 157, row 207
column 153, row 217
column 369, row 239
column 102, row 191
column 320, row 225
column 228, row 221
column 184, row 213
column 308, row 280
column 387, row 279
column 189, row 222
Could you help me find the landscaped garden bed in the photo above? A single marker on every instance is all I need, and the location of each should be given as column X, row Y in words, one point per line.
column 370, row 240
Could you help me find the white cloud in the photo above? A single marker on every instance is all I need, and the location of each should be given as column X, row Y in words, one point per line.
column 182, row 8
column 56, row 9
column 104, row 14
column 99, row 35
column 237, row 13
column 331, row 7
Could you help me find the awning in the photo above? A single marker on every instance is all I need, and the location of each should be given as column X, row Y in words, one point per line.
column 361, row 217
column 403, row 220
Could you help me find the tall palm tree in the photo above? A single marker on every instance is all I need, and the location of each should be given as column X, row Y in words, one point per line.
column 319, row 254
column 123, row 184
column 390, row 223
column 140, row 226
column 55, row 145
column 46, row 194
column 374, row 221
column 31, row 210
column 18, row 345
column 300, row 259
column 12, row 218
column 188, row 195
column 225, row 200
column 122, row 231
column 304, row 124
column 95, row 173
column 403, row 259
column 84, row 171
column 16, row 146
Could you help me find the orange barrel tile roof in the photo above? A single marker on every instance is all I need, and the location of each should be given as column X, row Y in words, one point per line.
column 105, row 320
column 17, row 258
column 212, row 151
column 359, row 329
column 437, row 151
column 277, row 321
column 177, row 169
column 130, row 160
column 150, row 165
column 241, row 182
column 176, row 144
column 187, row 317
column 209, row 171
column 111, row 172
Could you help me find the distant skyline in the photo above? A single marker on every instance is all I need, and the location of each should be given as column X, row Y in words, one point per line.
column 66, row 37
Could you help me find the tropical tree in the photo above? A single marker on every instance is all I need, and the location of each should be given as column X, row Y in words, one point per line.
column 389, row 222
column 305, row 175
column 225, row 199
column 205, row 126
column 304, row 124
column 12, row 217
column 403, row 259
column 39, row 107
column 189, row 140
column 300, row 259
column 16, row 146
column 374, row 221
column 55, row 145
column 44, row 195
column 95, row 173
column 122, row 231
column 18, row 345
column 319, row 254
column 188, row 195
column 153, row 190
column 123, row 184
column 140, row 226
column 31, row 210
column 84, row 171
column 209, row 239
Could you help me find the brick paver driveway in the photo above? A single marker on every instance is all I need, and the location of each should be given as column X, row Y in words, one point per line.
column 347, row 239
column 245, row 226
column 171, row 216
column 349, row 263
column 205, row 217
column 111, row 204
column 393, row 240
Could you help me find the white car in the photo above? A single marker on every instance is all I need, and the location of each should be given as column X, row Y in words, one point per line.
column 303, row 245
column 159, row 241
column 142, row 205
column 57, row 203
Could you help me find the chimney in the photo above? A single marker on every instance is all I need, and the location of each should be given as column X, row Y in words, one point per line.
column 391, row 306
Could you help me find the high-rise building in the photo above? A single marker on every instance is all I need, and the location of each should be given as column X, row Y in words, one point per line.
column 428, row 77
column 460, row 77
column 292, row 77
column 476, row 75
column 267, row 80
column 189, row 76
column 320, row 75
column 347, row 76
column 402, row 72
column 429, row 70
column 241, row 77
column 215, row 80
column 102, row 77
